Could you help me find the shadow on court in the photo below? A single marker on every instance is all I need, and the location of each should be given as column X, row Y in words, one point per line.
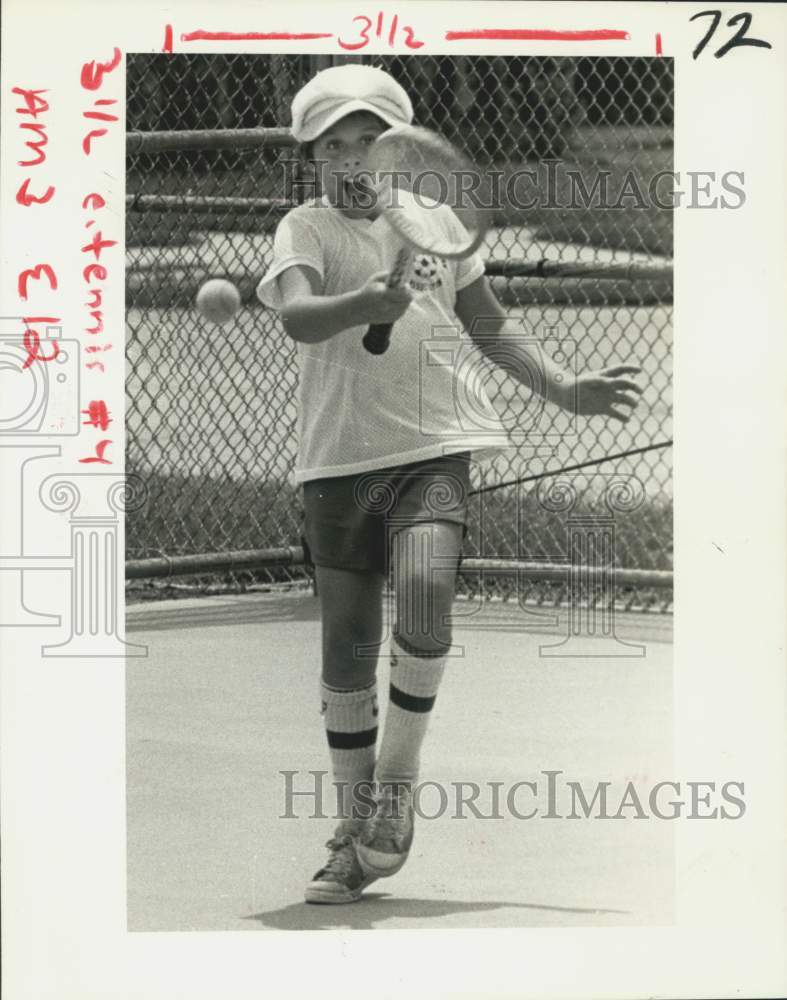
column 377, row 907
column 226, row 703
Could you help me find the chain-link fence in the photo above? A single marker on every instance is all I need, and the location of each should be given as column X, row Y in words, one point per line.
column 211, row 414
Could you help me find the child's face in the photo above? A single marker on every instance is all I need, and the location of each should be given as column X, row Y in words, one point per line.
column 340, row 155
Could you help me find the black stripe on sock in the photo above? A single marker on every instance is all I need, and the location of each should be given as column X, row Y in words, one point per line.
column 351, row 741
column 410, row 702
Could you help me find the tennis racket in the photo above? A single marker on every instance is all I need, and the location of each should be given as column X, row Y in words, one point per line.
column 415, row 173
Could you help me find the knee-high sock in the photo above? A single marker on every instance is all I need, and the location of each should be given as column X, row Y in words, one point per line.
column 415, row 678
column 351, row 728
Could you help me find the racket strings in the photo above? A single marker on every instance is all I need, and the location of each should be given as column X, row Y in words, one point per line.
column 417, row 174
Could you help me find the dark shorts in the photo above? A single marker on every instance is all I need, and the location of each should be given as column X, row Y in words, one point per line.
column 349, row 520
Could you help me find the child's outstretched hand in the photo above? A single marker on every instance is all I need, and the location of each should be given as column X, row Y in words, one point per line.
column 608, row 393
column 377, row 303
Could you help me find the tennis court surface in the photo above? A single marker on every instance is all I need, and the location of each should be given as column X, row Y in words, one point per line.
column 227, row 699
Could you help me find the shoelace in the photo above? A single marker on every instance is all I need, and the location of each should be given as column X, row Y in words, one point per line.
column 341, row 859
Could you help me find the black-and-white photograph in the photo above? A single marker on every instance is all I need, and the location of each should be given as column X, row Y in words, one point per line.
column 392, row 494
column 399, row 346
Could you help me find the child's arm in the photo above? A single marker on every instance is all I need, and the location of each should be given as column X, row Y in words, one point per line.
column 310, row 317
column 589, row 393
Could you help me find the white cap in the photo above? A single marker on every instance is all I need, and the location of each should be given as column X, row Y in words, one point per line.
column 338, row 91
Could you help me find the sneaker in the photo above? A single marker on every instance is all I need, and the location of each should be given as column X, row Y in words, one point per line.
column 387, row 837
column 341, row 879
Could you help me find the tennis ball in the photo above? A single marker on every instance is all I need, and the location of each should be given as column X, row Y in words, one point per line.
column 218, row 300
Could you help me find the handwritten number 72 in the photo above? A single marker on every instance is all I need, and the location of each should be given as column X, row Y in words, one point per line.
column 738, row 39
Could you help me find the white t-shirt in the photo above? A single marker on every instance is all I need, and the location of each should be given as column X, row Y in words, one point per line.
column 425, row 396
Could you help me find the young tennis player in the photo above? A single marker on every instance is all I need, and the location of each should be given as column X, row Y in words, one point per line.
column 384, row 458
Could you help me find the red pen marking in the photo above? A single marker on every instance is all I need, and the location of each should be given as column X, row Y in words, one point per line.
column 92, row 78
column 167, row 38
column 97, row 414
column 35, row 105
column 101, row 447
column 96, row 364
column 658, row 43
column 35, row 145
column 32, row 344
column 395, row 31
column 97, row 270
column 24, row 197
column 35, row 273
column 252, row 36
column 98, row 316
column 363, row 32
column 410, row 40
column 536, row 35
column 100, row 116
column 92, row 349
column 97, row 244
column 94, row 133
column 99, row 273
column 92, row 75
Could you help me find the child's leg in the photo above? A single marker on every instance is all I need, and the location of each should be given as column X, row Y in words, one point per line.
column 351, row 618
column 425, row 563
column 426, row 557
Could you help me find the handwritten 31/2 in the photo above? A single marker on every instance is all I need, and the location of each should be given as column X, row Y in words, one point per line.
column 382, row 24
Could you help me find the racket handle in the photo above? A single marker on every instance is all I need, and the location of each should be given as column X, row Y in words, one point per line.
column 377, row 338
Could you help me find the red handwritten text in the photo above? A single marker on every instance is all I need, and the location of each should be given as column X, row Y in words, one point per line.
column 32, row 105
column 92, row 78
column 382, row 26
column 101, row 447
column 94, row 275
column 97, row 414
column 32, row 342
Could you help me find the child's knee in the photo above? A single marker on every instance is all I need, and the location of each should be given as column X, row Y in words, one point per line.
column 423, row 642
column 350, row 653
column 344, row 676
column 423, row 614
